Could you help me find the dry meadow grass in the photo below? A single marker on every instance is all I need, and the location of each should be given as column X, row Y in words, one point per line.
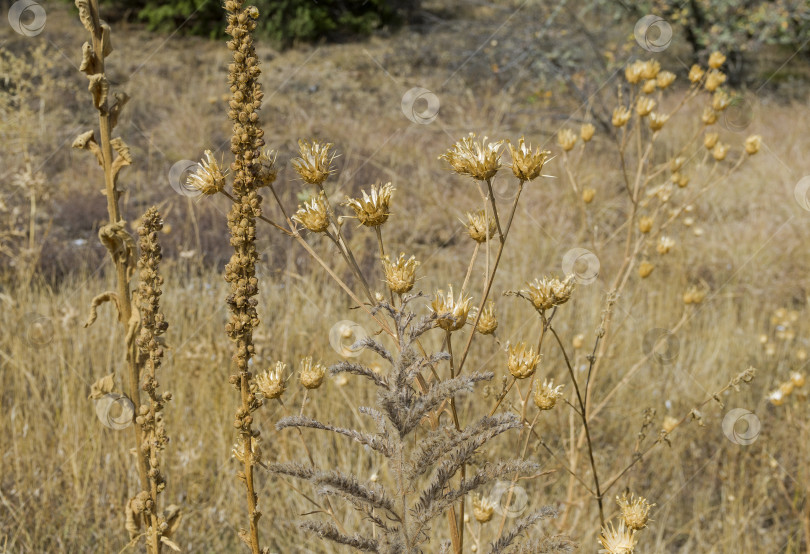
column 65, row 477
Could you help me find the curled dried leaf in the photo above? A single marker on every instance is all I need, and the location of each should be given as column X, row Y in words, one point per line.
column 99, row 87
column 108, row 296
column 90, row 63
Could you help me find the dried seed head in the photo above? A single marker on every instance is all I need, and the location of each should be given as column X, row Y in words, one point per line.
column 578, row 341
column 719, row 151
column 695, row 73
column 682, row 181
column 314, row 215
column 588, row 195
column 714, row 79
column 311, row 375
column 675, row 164
column 644, row 106
column 621, row 116
column 481, row 161
column 546, row 395
column 657, row 121
column 483, row 508
column 527, row 164
column 670, row 423
column 665, row 244
column 271, row 383
column 617, row 540
column 487, row 323
column 752, row 144
column 650, row 69
column 522, row 360
column 649, row 86
column 634, row 72
column 238, row 451
column 209, row 178
column 267, row 168
column 400, row 275
column 479, row 227
column 645, row 224
column 777, row 398
column 716, row 59
column 720, row 101
column 452, row 314
column 694, row 295
column 372, row 210
column 635, row 512
column 314, row 163
column 709, row 116
column 566, row 138
column 797, row 378
column 710, row 140
column 786, row 388
column 644, row 269
column 549, row 292
column 664, row 79
column 586, row 132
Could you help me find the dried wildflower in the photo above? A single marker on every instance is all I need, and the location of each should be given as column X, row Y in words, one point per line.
column 710, row 140
column 650, row 69
column 617, row 540
column 481, row 161
column 267, row 168
column 716, row 59
column 522, row 360
column 452, row 314
column 314, row 163
column 479, row 227
column 675, row 164
column 786, row 388
column 797, row 378
column 657, row 121
column 621, row 116
column 649, row 86
column 635, row 512
column 483, row 508
column 664, row 79
column 546, row 395
column 588, row 194
column 578, row 341
column 527, row 164
column 752, row 144
column 549, row 292
column 311, row 375
column 314, row 215
column 400, row 275
column 709, row 116
column 665, row 244
column 487, row 323
column 720, row 101
column 719, row 151
column 238, row 451
column 209, row 178
column 586, row 132
column 271, row 383
column 644, row 106
column 714, row 79
column 670, row 423
column 694, row 295
column 645, row 224
column 566, row 139
column 777, row 398
column 695, row 73
column 372, row 210
column 644, row 269
column 634, row 72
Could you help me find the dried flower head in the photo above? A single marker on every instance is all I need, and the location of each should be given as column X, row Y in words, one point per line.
column 650, row 69
column 452, row 314
column 719, row 151
column 664, row 79
column 549, row 292
column 566, row 138
column 634, row 72
column 522, row 360
column 483, row 508
column 695, row 73
column 209, row 178
column 546, row 395
column 271, row 383
column 645, row 223
column 720, row 101
column 644, row 106
column 238, row 451
column 479, row 227
column 675, row 164
column 311, row 375
column 487, row 323
column 752, row 144
column 480, row 161
column 797, row 378
column 644, row 269
column 527, row 164
column 588, row 195
column 714, row 79
column 635, row 512
column 314, row 215
column 586, row 131
column 665, row 244
column 777, row 398
column 670, row 423
column 400, row 275
column 710, row 140
column 267, row 168
column 786, row 388
column 621, row 116
column 372, row 210
column 694, row 295
column 716, row 59
column 680, row 179
column 709, row 116
column 578, row 341
column 617, row 540
column 657, row 121
column 649, row 86
column 314, row 163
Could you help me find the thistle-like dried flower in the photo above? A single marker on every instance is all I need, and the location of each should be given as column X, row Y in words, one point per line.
column 714, row 79
column 617, row 540
column 635, row 512
column 400, row 275
column 720, row 101
column 621, row 116
column 546, row 395
column 644, row 106
column 238, row 451
column 752, row 144
column 709, row 116
column 271, row 383
column 549, row 292
column 696, row 73
column 522, row 360
column 665, row 244
column 566, row 138
column 487, row 323
column 314, row 163
column 650, row 69
column 372, row 210
column 634, row 72
column 209, row 178
column 481, row 161
column 479, row 227
column 483, row 508
column 657, row 121
column 719, row 151
column 586, row 132
column 527, row 164
column 311, row 375
column 649, row 86
column 645, row 224
column 664, row 79
column 314, row 215
column 710, row 140
column 267, row 168
column 644, row 269
column 588, row 195
column 452, row 314
column 716, row 59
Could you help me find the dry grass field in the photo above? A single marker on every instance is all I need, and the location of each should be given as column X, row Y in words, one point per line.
column 732, row 477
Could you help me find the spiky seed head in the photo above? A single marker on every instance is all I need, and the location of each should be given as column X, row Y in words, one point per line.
column 752, row 144
column 483, row 508
column 527, row 163
column 720, row 151
column 617, row 540
column 311, row 374
column 487, row 323
column 522, row 360
column 549, row 292
column 255, row 454
column 209, row 178
column 798, row 379
column 716, row 60
column 479, row 227
column 669, row 424
column 644, row 269
column 621, row 116
column 634, row 72
column 645, row 224
column 586, row 132
column 267, row 169
column 271, row 383
column 314, row 163
column 710, row 139
column 714, row 79
column 657, row 121
column 314, row 214
column 665, row 244
column 546, row 395
column 695, row 73
column 481, row 161
column 635, row 511
column 372, row 210
column 709, row 116
column 400, row 275
column 664, row 79
column 644, row 106
column 588, row 195
column 452, row 313
column 566, row 138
